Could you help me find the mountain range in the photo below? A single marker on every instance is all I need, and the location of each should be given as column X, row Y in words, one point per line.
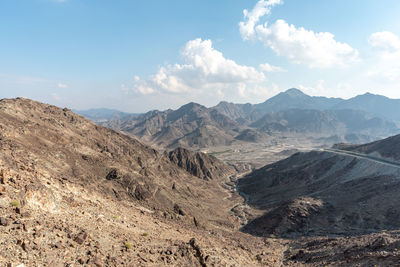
column 369, row 117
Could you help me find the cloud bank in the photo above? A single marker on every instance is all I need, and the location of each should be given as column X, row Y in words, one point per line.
column 299, row 45
column 387, row 46
column 203, row 68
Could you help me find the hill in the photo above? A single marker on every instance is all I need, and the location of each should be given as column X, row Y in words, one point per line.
column 199, row 164
column 386, row 148
column 327, row 193
column 192, row 125
column 73, row 192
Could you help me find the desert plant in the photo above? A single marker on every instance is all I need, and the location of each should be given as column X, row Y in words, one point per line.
column 128, row 245
column 15, row 203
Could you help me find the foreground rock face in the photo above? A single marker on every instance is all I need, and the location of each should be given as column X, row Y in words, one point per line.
column 320, row 193
column 74, row 193
column 56, row 144
column 201, row 165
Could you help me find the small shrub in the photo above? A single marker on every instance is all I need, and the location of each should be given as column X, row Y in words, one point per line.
column 15, row 203
column 128, row 245
column 145, row 234
column 115, row 217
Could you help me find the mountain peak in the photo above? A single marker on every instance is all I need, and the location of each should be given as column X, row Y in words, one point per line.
column 294, row 92
column 191, row 105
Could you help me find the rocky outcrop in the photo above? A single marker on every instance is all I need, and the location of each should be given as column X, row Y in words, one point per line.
column 199, row 164
column 319, row 192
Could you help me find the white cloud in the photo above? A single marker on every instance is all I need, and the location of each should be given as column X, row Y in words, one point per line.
column 203, row 68
column 387, row 47
column 385, row 41
column 261, row 9
column 270, row 68
column 300, row 46
column 62, row 85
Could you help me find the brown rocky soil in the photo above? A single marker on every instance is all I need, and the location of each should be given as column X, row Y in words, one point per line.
column 73, row 193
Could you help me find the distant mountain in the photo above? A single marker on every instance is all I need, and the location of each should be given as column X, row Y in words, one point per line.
column 103, row 114
column 192, row 125
column 374, row 104
column 290, row 99
column 242, row 113
column 325, row 122
column 296, row 99
column 359, row 119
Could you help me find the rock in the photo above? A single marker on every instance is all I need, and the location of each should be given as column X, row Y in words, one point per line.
column 3, row 177
column 58, row 244
column 97, row 262
column 2, row 190
column 199, row 252
column 380, row 242
column 81, row 237
column 25, row 246
column 4, row 221
column 112, row 175
column 179, row 210
column 142, row 192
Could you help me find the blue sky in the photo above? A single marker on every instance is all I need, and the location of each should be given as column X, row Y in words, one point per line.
column 141, row 55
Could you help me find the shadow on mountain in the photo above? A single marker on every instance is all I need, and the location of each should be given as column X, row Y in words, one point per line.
column 322, row 194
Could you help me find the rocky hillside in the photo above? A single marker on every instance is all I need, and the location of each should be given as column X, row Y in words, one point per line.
column 75, row 193
column 387, row 148
column 319, row 192
column 201, row 165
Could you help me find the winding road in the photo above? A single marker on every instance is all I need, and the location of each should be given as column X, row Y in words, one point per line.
column 388, row 162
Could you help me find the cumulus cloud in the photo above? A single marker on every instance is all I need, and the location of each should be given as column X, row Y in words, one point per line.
column 299, row 45
column 385, row 41
column 270, row 68
column 252, row 17
column 203, row 68
column 387, row 46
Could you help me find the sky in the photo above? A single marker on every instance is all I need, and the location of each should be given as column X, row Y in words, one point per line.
column 136, row 56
